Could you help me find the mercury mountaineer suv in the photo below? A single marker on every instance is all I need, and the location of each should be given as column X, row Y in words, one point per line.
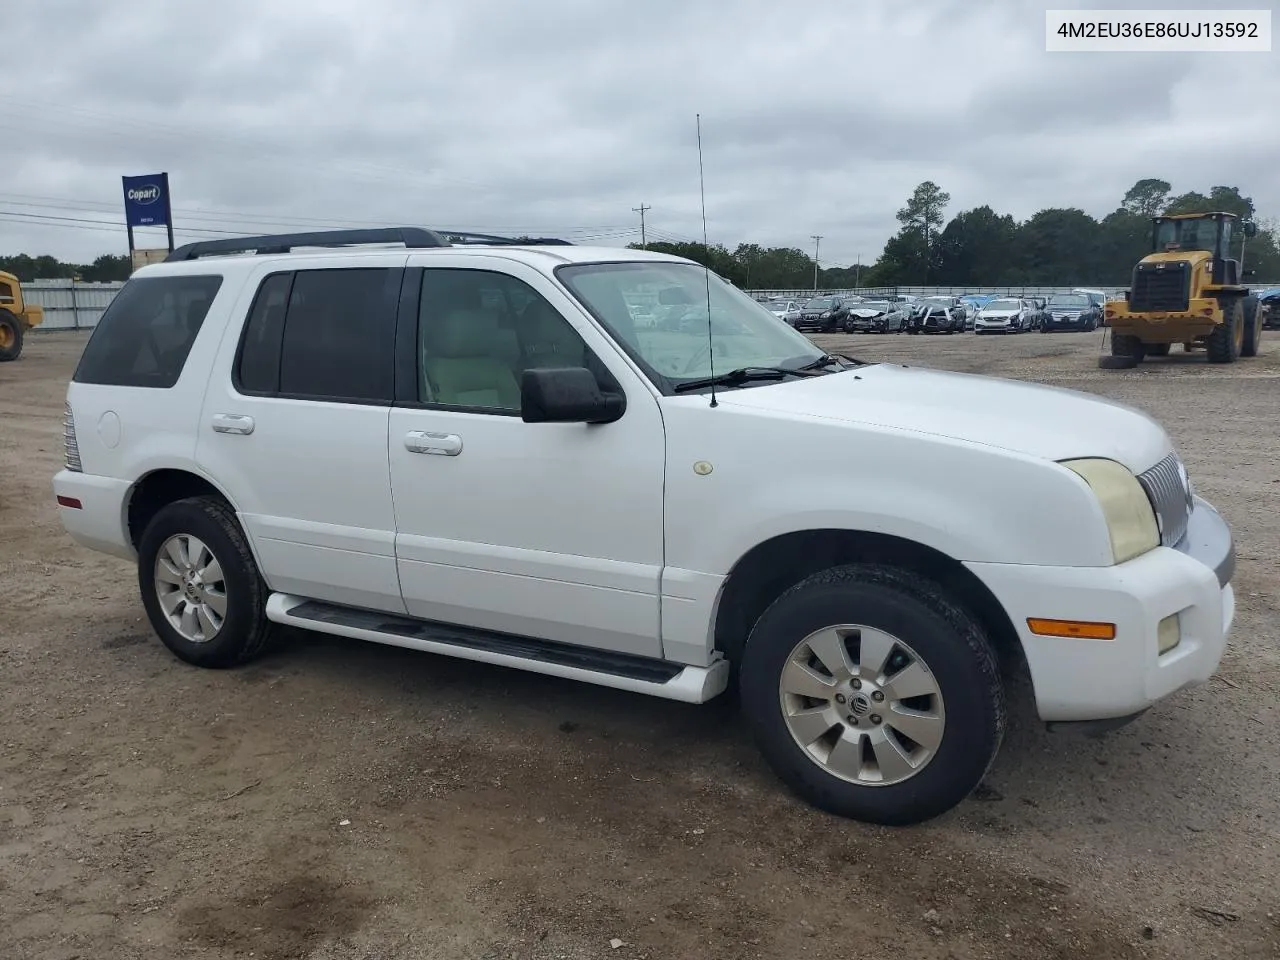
column 473, row 450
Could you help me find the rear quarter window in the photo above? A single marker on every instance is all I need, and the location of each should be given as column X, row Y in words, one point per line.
column 144, row 336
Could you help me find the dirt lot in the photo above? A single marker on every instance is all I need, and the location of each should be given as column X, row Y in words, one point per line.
column 340, row 800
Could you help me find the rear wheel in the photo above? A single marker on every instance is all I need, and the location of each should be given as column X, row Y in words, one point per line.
column 12, row 331
column 200, row 585
column 1226, row 342
column 1252, row 327
column 872, row 695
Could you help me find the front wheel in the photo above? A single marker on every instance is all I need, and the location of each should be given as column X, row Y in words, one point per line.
column 200, row 585
column 872, row 695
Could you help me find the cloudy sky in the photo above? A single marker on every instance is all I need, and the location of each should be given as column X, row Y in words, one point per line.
column 560, row 116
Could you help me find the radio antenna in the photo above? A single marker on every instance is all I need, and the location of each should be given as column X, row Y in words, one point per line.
column 706, row 252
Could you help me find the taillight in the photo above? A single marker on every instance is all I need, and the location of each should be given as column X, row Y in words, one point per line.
column 72, row 449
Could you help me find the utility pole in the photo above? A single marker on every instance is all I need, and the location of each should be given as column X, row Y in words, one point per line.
column 644, row 239
column 817, row 245
column 857, row 274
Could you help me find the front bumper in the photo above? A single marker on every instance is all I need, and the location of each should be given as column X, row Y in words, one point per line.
column 1083, row 680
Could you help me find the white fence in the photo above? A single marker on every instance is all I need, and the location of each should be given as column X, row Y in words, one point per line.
column 70, row 304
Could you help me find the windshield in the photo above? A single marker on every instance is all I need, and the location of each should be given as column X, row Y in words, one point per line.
column 674, row 347
column 1003, row 305
column 1186, row 235
column 817, row 302
column 1069, row 303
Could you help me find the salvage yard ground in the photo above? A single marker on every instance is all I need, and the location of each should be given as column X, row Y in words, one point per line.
column 345, row 800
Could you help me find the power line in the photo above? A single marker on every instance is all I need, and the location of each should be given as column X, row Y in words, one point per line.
column 644, row 239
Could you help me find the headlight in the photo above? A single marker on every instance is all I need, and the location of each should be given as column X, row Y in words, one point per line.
column 1131, row 521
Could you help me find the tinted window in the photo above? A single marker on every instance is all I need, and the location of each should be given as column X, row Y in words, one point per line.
column 258, row 370
column 339, row 331
column 480, row 330
column 145, row 334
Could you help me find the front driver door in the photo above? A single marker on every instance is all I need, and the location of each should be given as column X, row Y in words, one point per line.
column 549, row 530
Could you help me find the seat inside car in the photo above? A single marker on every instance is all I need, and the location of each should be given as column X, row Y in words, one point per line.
column 467, row 359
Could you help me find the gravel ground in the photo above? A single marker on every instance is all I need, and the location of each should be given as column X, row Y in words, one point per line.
column 345, row 800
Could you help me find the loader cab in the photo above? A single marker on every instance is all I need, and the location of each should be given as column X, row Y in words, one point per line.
column 1213, row 233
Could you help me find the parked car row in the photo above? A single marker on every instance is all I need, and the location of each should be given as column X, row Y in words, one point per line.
column 982, row 313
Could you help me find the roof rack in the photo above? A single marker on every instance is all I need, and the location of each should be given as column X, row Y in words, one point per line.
column 465, row 237
column 411, row 237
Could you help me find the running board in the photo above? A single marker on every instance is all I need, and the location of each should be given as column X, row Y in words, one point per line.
column 621, row 671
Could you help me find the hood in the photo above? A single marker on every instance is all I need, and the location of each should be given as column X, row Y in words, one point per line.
column 866, row 313
column 998, row 314
column 1030, row 419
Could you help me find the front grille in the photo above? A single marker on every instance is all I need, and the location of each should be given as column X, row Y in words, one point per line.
column 1160, row 286
column 1166, row 488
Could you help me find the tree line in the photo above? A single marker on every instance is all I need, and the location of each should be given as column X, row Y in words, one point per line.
column 1058, row 246
column 106, row 268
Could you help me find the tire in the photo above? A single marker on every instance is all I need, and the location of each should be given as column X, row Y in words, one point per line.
column 1227, row 340
column 12, row 332
column 1117, row 363
column 1128, row 346
column 909, row 619
column 1157, row 349
column 1252, row 327
column 244, row 630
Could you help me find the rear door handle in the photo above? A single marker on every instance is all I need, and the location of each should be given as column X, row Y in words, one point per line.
column 232, row 423
column 440, row 444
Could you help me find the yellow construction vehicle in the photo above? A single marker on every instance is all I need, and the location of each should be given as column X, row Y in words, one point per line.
column 1188, row 290
column 16, row 317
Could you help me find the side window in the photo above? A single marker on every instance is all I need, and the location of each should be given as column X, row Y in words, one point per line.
column 258, row 368
column 145, row 334
column 339, row 334
column 479, row 330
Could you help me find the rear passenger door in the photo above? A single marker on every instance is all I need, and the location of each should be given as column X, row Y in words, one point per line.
column 294, row 427
column 546, row 530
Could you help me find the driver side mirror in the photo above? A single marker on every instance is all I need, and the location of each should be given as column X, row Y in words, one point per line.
column 567, row 395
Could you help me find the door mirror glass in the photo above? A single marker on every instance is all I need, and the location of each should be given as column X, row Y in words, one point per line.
column 567, row 395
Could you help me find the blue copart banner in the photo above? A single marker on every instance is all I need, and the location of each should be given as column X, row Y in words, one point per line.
column 146, row 201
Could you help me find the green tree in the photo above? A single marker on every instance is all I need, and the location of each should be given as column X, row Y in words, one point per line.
column 978, row 243
column 1061, row 246
column 1146, row 198
column 923, row 214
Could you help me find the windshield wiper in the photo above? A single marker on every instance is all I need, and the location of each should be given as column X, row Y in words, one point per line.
column 742, row 375
column 827, row 359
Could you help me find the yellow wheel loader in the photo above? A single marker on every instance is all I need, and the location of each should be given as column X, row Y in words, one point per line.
column 1188, row 290
column 16, row 317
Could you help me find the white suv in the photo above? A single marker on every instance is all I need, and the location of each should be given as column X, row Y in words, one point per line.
column 475, row 451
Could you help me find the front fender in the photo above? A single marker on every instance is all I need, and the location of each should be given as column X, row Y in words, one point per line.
column 773, row 475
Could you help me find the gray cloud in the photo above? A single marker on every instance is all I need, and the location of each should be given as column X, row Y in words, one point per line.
column 560, row 116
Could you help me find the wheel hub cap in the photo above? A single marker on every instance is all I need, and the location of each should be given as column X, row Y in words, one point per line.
column 862, row 704
column 190, row 588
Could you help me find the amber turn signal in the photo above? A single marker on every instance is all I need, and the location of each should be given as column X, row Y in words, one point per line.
column 1078, row 629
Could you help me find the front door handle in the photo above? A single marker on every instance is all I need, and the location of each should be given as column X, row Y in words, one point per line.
column 441, row 444
column 232, row 423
